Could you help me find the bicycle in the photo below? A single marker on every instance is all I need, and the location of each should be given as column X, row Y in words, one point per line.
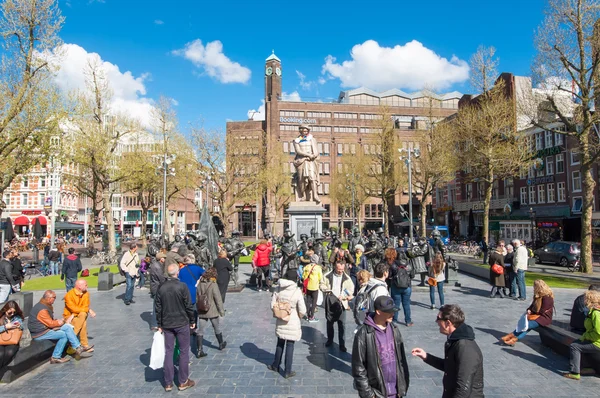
column 30, row 270
column 574, row 266
column 104, row 258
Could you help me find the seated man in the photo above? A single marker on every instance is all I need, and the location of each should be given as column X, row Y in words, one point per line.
column 77, row 304
column 580, row 312
column 43, row 326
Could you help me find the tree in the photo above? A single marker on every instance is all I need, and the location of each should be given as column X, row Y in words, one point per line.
column 231, row 165
column 30, row 104
column 276, row 181
column 97, row 130
column 567, row 67
column 437, row 163
column 350, row 188
column 488, row 143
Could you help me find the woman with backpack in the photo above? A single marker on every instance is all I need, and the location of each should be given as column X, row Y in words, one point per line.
column 210, row 307
column 436, row 279
column 401, row 275
column 288, row 328
column 311, row 276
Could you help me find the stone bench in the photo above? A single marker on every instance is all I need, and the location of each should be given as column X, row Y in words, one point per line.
column 107, row 280
column 27, row 359
column 558, row 337
column 24, row 300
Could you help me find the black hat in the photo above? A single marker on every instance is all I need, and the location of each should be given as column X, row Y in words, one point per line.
column 235, row 233
column 385, row 304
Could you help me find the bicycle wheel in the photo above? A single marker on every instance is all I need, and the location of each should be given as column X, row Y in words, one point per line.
column 96, row 259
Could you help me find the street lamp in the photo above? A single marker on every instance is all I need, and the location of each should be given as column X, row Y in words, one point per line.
column 167, row 160
column 410, row 152
column 532, row 217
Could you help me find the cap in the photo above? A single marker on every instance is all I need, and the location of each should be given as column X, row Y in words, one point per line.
column 304, row 126
column 385, row 304
column 359, row 247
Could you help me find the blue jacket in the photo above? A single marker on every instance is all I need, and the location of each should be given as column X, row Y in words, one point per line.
column 185, row 276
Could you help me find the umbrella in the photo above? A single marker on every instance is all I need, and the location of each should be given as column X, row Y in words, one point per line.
column 9, row 235
column 37, row 229
column 471, row 229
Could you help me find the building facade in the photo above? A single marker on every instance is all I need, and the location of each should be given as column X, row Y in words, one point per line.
column 342, row 129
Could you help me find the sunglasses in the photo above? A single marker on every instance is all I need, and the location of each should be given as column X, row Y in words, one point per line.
column 438, row 319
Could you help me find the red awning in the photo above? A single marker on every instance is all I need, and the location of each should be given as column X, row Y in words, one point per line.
column 21, row 220
column 42, row 219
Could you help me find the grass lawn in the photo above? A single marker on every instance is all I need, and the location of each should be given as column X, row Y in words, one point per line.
column 248, row 259
column 551, row 280
column 54, row 283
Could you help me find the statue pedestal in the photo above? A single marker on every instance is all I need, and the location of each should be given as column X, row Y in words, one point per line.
column 304, row 216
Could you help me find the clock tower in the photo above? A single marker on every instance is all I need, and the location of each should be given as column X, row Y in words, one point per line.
column 272, row 78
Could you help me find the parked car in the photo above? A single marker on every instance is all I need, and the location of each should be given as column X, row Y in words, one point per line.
column 559, row 252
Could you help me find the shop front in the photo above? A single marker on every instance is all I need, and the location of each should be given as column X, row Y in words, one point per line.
column 596, row 235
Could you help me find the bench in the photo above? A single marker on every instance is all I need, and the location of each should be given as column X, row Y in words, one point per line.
column 27, row 359
column 558, row 337
column 24, row 300
column 107, row 280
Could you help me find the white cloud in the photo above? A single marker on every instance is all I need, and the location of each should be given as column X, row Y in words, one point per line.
column 305, row 85
column 159, row 22
column 291, row 97
column 129, row 91
column 214, row 62
column 174, row 102
column 411, row 66
column 259, row 114
column 322, row 80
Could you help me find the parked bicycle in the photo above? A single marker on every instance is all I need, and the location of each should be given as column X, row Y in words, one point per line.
column 104, row 258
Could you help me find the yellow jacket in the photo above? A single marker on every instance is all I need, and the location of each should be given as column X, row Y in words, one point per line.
column 76, row 302
column 315, row 276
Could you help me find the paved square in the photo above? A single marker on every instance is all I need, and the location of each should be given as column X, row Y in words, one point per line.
column 122, row 341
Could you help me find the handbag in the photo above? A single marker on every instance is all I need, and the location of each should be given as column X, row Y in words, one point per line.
column 431, row 281
column 305, row 281
column 532, row 317
column 11, row 337
column 497, row 269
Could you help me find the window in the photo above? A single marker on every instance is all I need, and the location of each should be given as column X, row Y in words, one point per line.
column 292, row 149
column 541, row 193
column 340, row 149
column 370, row 116
column 523, row 195
column 366, row 149
column 42, row 199
column 326, row 188
column 560, row 163
column 288, row 127
column 574, row 157
column 367, row 210
column 353, row 149
column 24, row 199
column 538, row 141
column 550, row 193
column 340, row 115
column 341, row 129
column 25, row 182
column 291, row 113
column 320, row 147
column 42, row 182
column 577, row 204
column 531, row 195
column 319, row 114
column 508, row 187
column 540, row 172
column 326, row 148
column 558, row 139
column 560, row 187
column 286, row 147
column 326, row 169
column 7, row 199
column 320, row 129
column 549, row 165
column 340, row 168
column 576, row 181
column 469, row 191
column 548, row 139
column 531, row 173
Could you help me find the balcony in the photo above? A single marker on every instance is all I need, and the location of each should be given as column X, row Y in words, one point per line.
column 476, row 204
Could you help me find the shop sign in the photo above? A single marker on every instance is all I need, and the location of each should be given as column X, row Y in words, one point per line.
column 298, row 120
column 555, row 150
column 540, row 180
column 595, row 223
column 31, row 212
column 444, row 209
column 548, row 224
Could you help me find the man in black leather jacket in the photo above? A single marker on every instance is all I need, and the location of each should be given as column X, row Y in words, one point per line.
column 463, row 361
column 378, row 375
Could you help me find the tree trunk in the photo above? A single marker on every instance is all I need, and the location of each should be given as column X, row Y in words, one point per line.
column 166, row 223
column 144, row 222
column 588, row 185
column 385, row 213
column 110, row 223
column 486, row 206
column 423, row 215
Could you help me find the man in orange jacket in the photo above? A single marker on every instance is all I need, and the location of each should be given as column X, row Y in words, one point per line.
column 77, row 303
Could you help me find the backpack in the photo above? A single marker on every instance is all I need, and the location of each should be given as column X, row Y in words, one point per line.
column 121, row 271
column 402, row 279
column 85, row 272
column 202, row 302
column 361, row 305
column 333, row 308
column 282, row 309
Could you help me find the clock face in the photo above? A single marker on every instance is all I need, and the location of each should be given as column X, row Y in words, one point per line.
column 278, row 71
column 269, row 71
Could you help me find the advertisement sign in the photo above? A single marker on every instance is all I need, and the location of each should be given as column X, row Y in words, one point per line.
column 137, row 232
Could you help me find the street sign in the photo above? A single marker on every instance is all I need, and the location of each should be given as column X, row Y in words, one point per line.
column 102, row 227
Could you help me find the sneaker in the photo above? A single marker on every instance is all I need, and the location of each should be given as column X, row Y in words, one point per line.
column 433, row 307
column 80, row 353
column 522, row 299
column 573, row 376
column 169, row 388
column 127, row 302
column 132, row 302
column 272, row 368
column 409, row 324
column 289, row 375
column 88, row 348
column 59, row 360
column 313, row 320
column 188, row 384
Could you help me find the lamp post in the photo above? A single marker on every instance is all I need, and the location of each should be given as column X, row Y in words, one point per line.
column 410, row 152
column 167, row 160
column 532, row 217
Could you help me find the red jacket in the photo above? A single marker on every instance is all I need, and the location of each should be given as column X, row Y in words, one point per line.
column 261, row 255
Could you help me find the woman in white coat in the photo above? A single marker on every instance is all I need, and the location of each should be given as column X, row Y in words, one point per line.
column 288, row 332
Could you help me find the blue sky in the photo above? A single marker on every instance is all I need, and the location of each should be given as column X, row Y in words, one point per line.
column 155, row 48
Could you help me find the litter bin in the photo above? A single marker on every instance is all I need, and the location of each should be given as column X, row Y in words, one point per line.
column 452, row 271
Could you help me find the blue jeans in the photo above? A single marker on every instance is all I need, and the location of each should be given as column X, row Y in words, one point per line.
column 54, row 267
column 440, row 289
column 519, row 280
column 4, row 293
column 532, row 325
column 129, row 285
column 142, row 281
column 69, row 283
column 402, row 296
column 64, row 335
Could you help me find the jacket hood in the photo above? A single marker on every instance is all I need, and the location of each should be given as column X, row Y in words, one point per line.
column 374, row 281
column 72, row 256
column 463, row 332
column 369, row 321
column 287, row 284
column 262, row 247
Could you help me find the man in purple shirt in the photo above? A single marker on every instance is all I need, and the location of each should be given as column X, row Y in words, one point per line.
column 379, row 365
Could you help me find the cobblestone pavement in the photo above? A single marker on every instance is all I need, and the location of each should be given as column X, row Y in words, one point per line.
column 122, row 340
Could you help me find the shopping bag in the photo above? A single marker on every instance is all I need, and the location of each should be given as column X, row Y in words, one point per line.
column 320, row 298
column 157, row 353
column 523, row 324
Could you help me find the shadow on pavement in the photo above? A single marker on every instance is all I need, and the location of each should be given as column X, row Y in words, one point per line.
column 251, row 351
column 146, row 317
column 540, row 360
column 473, row 291
column 325, row 358
column 496, row 333
column 149, row 373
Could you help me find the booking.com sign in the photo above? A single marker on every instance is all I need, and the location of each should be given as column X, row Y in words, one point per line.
column 298, row 120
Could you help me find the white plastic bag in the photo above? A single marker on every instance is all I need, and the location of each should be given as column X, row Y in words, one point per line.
column 157, row 353
column 320, row 298
column 523, row 324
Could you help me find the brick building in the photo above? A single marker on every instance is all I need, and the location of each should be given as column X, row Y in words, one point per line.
column 342, row 128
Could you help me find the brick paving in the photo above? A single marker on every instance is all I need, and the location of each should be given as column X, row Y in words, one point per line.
column 122, row 340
